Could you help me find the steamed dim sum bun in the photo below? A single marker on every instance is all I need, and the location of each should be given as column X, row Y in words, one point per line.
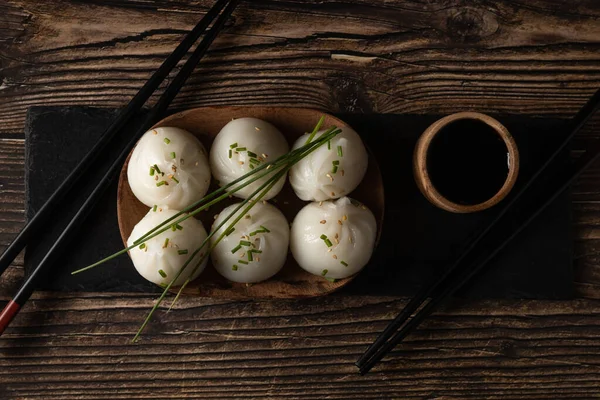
column 331, row 171
column 159, row 259
column 264, row 233
column 334, row 239
column 183, row 174
column 240, row 146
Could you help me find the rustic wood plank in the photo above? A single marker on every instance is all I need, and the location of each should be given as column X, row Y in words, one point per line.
column 536, row 57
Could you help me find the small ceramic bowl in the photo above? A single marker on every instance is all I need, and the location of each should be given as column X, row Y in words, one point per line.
column 422, row 176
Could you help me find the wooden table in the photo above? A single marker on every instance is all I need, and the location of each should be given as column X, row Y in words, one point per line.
column 535, row 57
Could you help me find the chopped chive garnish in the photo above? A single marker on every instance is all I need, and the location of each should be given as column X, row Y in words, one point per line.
column 156, row 168
column 230, row 231
column 234, row 268
column 323, row 236
column 167, row 141
column 245, row 243
column 175, row 179
column 252, row 154
column 154, row 208
column 166, row 243
column 344, row 263
column 329, row 145
column 233, row 146
column 243, row 262
column 236, row 248
column 142, row 246
column 251, row 166
column 240, row 149
column 163, row 285
column 324, row 272
column 230, row 153
column 173, row 228
column 162, row 273
column 161, row 183
column 254, row 161
column 340, row 152
column 328, row 243
column 249, row 256
column 173, row 154
column 265, row 229
column 182, row 252
column 334, row 169
column 179, row 227
column 332, row 280
column 255, row 251
column 336, row 162
column 151, row 171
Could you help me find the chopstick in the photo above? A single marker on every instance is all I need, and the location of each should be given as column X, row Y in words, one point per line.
column 28, row 287
column 136, row 103
column 445, row 285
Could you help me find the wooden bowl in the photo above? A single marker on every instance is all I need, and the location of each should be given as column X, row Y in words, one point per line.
column 292, row 281
column 422, row 175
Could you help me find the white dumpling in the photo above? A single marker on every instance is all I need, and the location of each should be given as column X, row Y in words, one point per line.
column 161, row 257
column 268, row 233
column 256, row 141
column 182, row 176
column 331, row 171
column 334, row 239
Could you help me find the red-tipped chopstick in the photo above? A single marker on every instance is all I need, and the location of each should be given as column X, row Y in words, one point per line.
column 448, row 283
column 158, row 111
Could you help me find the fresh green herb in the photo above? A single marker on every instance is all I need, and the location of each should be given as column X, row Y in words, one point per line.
column 154, row 208
column 315, row 130
column 173, row 154
column 252, row 154
column 236, row 248
column 336, row 162
column 249, row 256
column 334, row 169
column 265, row 229
column 173, row 228
column 142, row 246
column 175, row 179
column 238, row 149
column 340, row 152
column 162, row 273
column 233, row 146
column 329, row 145
column 182, row 252
column 156, row 168
column 332, row 280
column 328, row 243
column 323, row 236
column 179, row 227
column 161, row 183
column 254, row 161
column 230, row 153
column 151, row 171
column 166, row 140
column 344, row 263
column 243, row 262
column 245, row 243
column 234, row 267
column 229, row 231
column 324, row 272
column 255, row 251
column 166, row 243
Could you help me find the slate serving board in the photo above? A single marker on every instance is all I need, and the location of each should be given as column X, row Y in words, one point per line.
column 418, row 239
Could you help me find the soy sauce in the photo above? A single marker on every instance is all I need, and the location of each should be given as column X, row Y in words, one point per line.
column 467, row 162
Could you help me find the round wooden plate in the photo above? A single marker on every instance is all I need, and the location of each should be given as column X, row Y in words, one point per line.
column 292, row 281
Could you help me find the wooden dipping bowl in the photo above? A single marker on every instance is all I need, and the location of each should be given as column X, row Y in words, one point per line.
column 292, row 281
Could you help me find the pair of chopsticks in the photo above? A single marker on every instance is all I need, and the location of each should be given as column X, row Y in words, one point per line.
column 71, row 185
column 518, row 213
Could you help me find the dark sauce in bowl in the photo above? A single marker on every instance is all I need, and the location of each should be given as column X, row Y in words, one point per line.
column 467, row 162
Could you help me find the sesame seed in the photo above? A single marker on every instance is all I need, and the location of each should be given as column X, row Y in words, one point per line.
column 363, row 207
column 257, row 128
column 323, row 221
column 248, row 216
column 320, row 203
column 329, row 250
column 154, row 131
column 342, row 172
column 344, row 217
column 160, row 210
column 216, row 216
column 264, row 202
column 333, row 193
column 181, row 161
column 241, row 162
column 155, row 177
column 340, row 221
column 336, row 240
column 329, row 176
column 257, row 258
column 264, row 155
column 336, row 236
column 268, row 166
column 334, row 256
column 196, row 163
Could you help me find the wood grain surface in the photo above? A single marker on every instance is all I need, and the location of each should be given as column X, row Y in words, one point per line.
column 537, row 57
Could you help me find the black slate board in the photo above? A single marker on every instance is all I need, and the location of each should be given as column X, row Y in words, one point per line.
column 418, row 239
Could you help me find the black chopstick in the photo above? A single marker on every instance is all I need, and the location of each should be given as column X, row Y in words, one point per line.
column 441, row 287
column 42, row 215
column 12, row 308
